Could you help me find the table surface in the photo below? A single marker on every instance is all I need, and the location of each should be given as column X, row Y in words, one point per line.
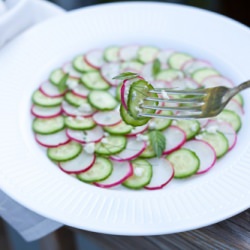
column 233, row 233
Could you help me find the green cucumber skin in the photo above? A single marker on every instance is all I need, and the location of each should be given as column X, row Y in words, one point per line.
column 127, row 183
column 185, row 175
column 45, row 133
column 79, row 176
column 65, row 159
column 128, row 119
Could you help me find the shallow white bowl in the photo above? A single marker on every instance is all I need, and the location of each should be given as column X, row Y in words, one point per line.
column 30, row 178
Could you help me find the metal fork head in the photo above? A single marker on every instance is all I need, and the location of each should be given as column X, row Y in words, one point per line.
column 193, row 104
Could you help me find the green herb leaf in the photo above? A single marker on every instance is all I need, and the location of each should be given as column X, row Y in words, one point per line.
column 157, row 141
column 156, row 67
column 126, row 76
column 62, row 86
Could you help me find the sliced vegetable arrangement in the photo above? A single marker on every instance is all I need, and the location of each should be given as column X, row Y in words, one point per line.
column 87, row 116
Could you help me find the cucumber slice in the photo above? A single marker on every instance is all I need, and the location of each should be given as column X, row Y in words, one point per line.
column 128, row 119
column 190, row 127
column 148, row 152
column 142, row 174
column 102, row 100
column 101, row 170
column 94, row 80
column 239, row 99
column 75, row 100
column 79, row 123
column 111, row 145
column 160, row 123
column 185, row 163
column 81, row 66
column 200, row 74
column 231, row 117
column 65, row 152
column 217, row 140
column 42, row 100
column 56, row 76
column 48, row 125
column 169, row 75
column 118, row 92
column 176, row 60
column 147, row 54
column 120, row 129
column 133, row 66
column 111, row 54
column 137, row 92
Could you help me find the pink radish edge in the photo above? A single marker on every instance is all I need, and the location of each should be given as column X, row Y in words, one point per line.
column 51, row 96
column 51, row 146
column 41, row 116
column 214, row 158
column 129, row 174
column 114, row 158
column 85, row 58
column 81, row 141
column 180, row 144
column 122, row 91
column 80, row 171
column 165, row 183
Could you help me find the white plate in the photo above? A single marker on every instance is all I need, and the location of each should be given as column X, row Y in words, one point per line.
column 30, row 178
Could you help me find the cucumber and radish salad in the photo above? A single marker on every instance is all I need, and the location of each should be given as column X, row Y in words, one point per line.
column 86, row 114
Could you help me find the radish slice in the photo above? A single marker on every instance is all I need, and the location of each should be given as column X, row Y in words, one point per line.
column 110, row 70
column 94, row 135
column 128, row 53
column 121, row 172
column 80, row 164
column 163, row 173
column 185, row 83
column 80, row 91
column 193, row 64
column 161, row 84
column 125, row 90
column 42, row 112
column 225, row 128
column 133, row 149
column 214, row 81
column 203, row 122
column 138, row 130
column 74, row 111
column 68, row 68
column 52, row 140
column 164, row 55
column 147, row 71
column 50, row 90
column 205, row 153
column 236, row 107
column 108, row 118
column 94, row 58
column 175, row 138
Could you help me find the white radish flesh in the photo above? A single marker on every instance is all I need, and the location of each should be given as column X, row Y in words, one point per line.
column 121, row 172
column 204, row 152
column 163, row 173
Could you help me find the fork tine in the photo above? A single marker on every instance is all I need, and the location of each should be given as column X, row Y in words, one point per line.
column 191, row 109
column 177, row 92
column 176, row 117
column 197, row 101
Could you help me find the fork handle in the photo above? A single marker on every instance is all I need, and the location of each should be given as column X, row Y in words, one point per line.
column 242, row 86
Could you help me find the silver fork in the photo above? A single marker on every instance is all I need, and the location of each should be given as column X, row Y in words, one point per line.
column 203, row 103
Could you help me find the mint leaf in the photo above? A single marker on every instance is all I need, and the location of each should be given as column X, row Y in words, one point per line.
column 62, row 86
column 126, row 76
column 156, row 67
column 158, row 142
